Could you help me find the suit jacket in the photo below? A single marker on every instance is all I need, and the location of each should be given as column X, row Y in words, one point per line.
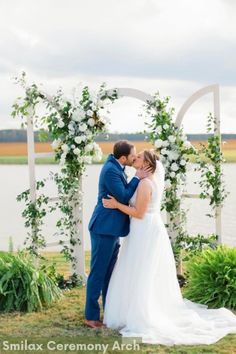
column 112, row 181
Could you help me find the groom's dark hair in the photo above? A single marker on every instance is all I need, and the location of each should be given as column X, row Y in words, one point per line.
column 122, row 148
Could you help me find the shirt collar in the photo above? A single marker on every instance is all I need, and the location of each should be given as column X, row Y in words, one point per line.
column 122, row 166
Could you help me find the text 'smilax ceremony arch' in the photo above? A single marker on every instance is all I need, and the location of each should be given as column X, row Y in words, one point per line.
column 79, row 250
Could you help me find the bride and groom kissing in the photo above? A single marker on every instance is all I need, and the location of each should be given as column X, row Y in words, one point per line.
column 140, row 292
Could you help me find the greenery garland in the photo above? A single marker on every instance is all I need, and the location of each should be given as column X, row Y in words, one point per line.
column 175, row 152
column 210, row 160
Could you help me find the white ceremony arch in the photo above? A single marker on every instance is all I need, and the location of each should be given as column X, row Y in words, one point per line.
column 79, row 250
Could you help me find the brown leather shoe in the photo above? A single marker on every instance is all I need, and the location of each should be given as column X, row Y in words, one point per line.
column 93, row 324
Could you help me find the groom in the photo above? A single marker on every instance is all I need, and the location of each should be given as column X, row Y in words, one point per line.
column 107, row 225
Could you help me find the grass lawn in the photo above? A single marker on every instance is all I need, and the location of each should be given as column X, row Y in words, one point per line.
column 63, row 322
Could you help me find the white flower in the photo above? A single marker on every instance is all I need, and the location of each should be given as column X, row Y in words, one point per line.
column 76, row 151
column 97, row 157
column 164, row 151
column 168, row 183
column 71, row 126
column 174, row 167
column 159, row 129
column 83, row 127
column 93, row 107
column 182, row 162
column 158, row 143
column 165, row 143
column 87, row 159
column 83, row 137
column 78, row 139
column 89, row 113
column 172, row 174
column 171, row 138
column 65, row 148
column 60, row 124
column 173, row 155
column 165, row 126
column 78, row 115
column 187, row 144
column 88, row 148
column 62, row 159
column 55, row 144
column 91, row 122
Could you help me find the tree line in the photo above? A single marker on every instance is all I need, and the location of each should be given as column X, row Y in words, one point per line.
column 20, row 135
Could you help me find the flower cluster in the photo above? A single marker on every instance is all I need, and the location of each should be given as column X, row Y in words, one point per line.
column 175, row 150
column 169, row 140
column 74, row 126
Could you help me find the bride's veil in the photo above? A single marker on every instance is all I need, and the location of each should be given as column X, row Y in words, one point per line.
column 160, row 178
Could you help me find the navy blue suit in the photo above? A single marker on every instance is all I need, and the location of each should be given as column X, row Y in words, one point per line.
column 106, row 226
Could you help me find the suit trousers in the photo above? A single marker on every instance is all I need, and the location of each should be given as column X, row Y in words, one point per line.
column 104, row 253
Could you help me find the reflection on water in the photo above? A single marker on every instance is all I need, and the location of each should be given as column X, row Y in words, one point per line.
column 14, row 179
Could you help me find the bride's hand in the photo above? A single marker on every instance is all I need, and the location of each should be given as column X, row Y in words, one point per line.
column 110, row 203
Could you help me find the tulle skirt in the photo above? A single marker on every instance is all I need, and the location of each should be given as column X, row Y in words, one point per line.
column 144, row 298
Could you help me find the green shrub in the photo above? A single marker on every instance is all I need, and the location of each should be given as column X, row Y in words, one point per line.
column 23, row 287
column 211, row 278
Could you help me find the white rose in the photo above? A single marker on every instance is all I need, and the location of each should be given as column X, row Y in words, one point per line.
column 62, row 159
column 165, row 126
column 89, row 113
column 65, row 148
column 93, row 107
column 182, row 162
column 78, row 139
column 55, row 144
column 91, row 122
column 173, row 155
column 171, row 138
column 83, row 137
column 87, row 159
column 168, row 183
column 158, row 143
column 71, row 126
column 172, row 174
column 97, row 157
column 60, row 124
column 83, row 127
column 174, row 167
column 76, row 151
column 187, row 144
column 76, row 116
column 165, row 143
column 88, row 148
column 159, row 129
column 164, row 151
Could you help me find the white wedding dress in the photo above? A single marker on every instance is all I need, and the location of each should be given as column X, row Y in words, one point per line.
column 144, row 298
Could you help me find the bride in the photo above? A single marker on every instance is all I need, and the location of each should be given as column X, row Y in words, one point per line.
column 144, row 299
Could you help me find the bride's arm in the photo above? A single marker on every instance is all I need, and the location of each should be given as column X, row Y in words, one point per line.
column 142, row 200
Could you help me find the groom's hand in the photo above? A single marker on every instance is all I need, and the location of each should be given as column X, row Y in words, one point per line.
column 143, row 172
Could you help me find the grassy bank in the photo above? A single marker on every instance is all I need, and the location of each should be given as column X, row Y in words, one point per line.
column 16, row 153
column 229, row 155
column 63, row 322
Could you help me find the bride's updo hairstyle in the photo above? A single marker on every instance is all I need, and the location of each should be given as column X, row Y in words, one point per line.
column 150, row 157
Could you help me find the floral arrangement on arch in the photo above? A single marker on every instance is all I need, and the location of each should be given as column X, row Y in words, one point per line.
column 72, row 123
column 175, row 151
column 74, row 126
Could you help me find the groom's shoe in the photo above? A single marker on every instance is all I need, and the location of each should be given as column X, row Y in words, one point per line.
column 93, row 324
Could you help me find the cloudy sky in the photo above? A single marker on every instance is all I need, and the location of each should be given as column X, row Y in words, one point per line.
column 172, row 46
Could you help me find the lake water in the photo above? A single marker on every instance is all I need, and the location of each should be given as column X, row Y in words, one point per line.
column 14, row 179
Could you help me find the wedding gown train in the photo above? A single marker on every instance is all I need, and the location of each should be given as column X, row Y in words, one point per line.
column 144, row 298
